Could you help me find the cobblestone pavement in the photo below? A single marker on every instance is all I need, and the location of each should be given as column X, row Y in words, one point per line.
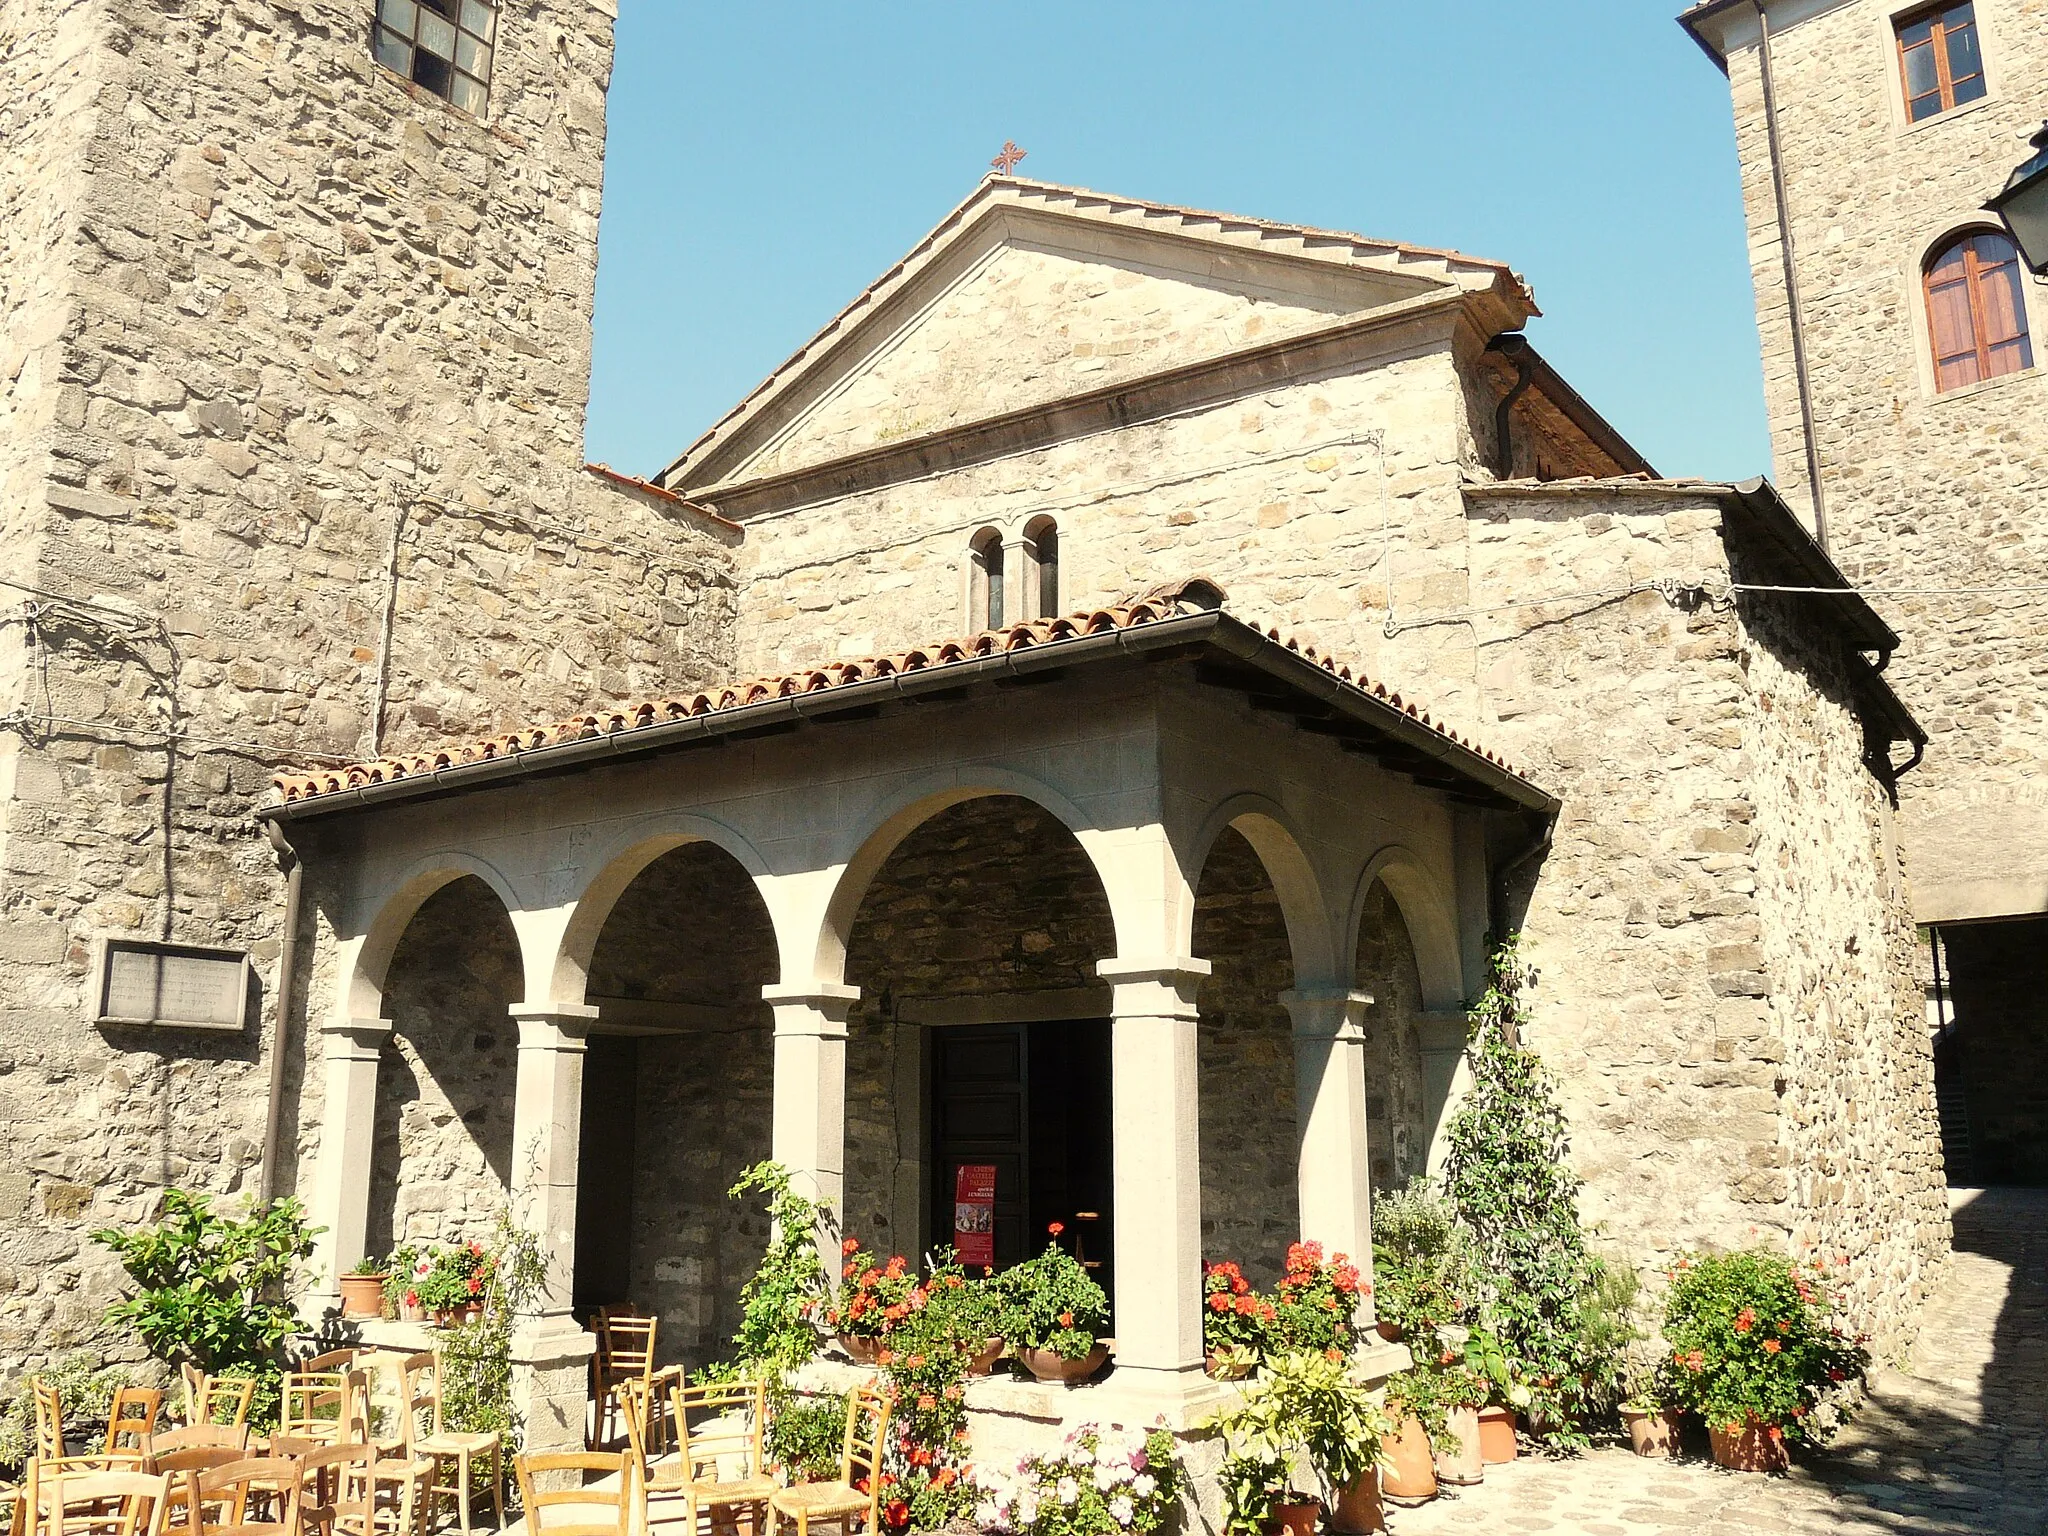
column 1959, row 1444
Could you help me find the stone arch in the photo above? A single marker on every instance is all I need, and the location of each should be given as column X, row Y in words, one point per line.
column 1427, row 912
column 362, row 981
column 910, row 809
column 617, row 867
column 1277, row 841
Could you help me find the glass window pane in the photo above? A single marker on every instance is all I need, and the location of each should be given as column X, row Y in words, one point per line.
column 1916, row 34
column 472, row 56
column 431, row 72
column 478, row 18
column 394, row 52
column 1963, row 15
column 397, row 15
column 441, row 7
column 1921, row 79
column 468, row 95
column 437, row 35
column 1964, row 65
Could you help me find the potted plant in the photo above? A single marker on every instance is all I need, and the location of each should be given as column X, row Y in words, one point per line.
column 1757, row 1353
column 1055, row 1312
column 803, row 1438
column 873, row 1298
column 452, row 1290
column 1237, row 1322
column 1422, row 1265
column 1415, row 1404
column 1505, row 1395
column 1307, row 1408
column 1315, row 1301
column 1259, row 1499
column 362, row 1290
column 969, row 1311
column 1097, row 1480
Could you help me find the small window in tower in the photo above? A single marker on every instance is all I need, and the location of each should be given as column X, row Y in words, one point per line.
column 1940, row 60
column 441, row 45
column 1976, row 310
column 985, row 587
column 1042, row 539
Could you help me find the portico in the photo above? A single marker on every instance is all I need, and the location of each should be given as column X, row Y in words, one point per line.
column 1147, row 734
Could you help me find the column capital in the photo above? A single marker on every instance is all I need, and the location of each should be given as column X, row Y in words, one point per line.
column 360, row 1039
column 553, row 1026
column 1160, row 988
column 1327, row 1013
column 815, row 1008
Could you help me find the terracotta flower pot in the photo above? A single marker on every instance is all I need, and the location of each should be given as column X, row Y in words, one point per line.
column 1750, row 1447
column 362, row 1296
column 1652, row 1431
column 1391, row 1332
column 1459, row 1461
column 864, row 1351
column 1296, row 1519
column 984, row 1362
column 1358, row 1508
column 1410, row 1474
column 1047, row 1366
column 1497, row 1435
column 411, row 1312
column 456, row 1317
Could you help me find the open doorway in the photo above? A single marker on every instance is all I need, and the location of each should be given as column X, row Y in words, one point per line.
column 1030, row 1104
column 604, row 1178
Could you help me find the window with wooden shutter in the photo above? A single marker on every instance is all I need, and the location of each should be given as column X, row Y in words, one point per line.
column 1939, row 59
column 1976, row 310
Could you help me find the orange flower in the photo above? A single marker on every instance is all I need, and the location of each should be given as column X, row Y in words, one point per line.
column 1218, row 1302
column 1056, row 1227
column 1745, row 1320
column 1772, row 1346
column 1066, row 1319
column 926, row 1403
column 851, row 1245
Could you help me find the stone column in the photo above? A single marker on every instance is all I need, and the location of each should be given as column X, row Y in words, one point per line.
column 1158, row 1172
column 1333, row 1177
column 549, row 1348
column 340, row 1197
column 809, row 1134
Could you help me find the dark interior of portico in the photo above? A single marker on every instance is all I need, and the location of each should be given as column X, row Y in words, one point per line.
column 1990, row 997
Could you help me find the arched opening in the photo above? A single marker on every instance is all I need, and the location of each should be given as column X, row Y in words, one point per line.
column 1975, row 288
column 1245, row 1063
column 1397, row 1088
column 985, row 580
column 1042, row 543
column 678, row 1098
column 441, row 1153
column 981, row 1036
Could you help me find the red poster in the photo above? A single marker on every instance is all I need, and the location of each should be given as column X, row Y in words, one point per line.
column 974, row 1213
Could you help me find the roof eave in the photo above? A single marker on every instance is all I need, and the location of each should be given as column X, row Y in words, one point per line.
column 1864, row 625
column 1690, row 20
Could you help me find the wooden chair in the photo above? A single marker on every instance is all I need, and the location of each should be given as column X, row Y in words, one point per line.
column 49, row 1419
column 614, row 1505
column 398, row 1477
column 860, row 1461
column 445, row 1447
column 131, row 1420
column 332, row 1360
column 338, row 1490
column 192, row 1437
column 223, row 1501
column 723, row 1463
column 217, row 1399
column 127, row 1502
column 626, row 1346
column 312, row 1405
column 181, row 1466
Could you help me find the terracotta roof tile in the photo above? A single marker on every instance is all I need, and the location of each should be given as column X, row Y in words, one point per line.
column 1163, row 602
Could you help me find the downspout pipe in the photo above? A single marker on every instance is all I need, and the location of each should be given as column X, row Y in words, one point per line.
column 1795, row 311
column 287, row 980
column 1516, row 349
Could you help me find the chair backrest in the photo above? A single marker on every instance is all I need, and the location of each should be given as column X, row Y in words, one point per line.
column 131, row 1420
column 338, row 1489
column 226, row 1494
column 421, row 1378
column 867, row 1423
column 217, row 1399
column 636, row 1394
column 313, row 1403
column 293, row 1447
column 333, row 1360
column 720, row 1423
column 182, row 1465
column 49, row 1418
column 126, row 1502
column 612, row 1506
column 187, row 1437
column 628, row 1344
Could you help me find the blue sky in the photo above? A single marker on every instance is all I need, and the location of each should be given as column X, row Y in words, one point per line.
column 767, row 160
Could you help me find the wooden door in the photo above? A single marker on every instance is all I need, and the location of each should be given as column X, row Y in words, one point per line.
column 980, row 1114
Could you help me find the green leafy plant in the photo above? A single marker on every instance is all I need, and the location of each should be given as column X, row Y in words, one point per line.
column 404, row 1268
column 1509, row 1175
column 925, row 1357
column 1234, row 1316
column 368, row 1265
column 213, row 1288
column 1305, row 1404
column 1315, row 1301
column 1424, row 1394
column 1754, row 1339
column 1053, row 1304
column 457, row 1278
column 776, row 1334
column 1424, row 1268
column 1490, row 1364
column 1100, row 1481
column 86, row 1389
column 476, row 1357
column 874, row 1295
column 804, row 1436
column 1252, row 1485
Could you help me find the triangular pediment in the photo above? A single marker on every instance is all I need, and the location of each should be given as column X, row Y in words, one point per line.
column 1032, row 294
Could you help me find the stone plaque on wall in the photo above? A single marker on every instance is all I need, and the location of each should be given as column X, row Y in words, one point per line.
column 170, row 986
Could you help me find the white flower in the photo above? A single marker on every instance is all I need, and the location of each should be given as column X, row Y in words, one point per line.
column 1107, row 1477
column 1027, row 1508
column 1120, row 1510
column 1068, row 1490
column 1145, row 1485
column 1082, row 1456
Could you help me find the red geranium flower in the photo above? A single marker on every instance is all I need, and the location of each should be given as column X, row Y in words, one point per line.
column 1056, row 1227
column 1066, row 1319
column 1772, row 1346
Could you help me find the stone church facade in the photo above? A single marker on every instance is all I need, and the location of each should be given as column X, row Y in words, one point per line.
column 1870, row 135
column 1135, row 651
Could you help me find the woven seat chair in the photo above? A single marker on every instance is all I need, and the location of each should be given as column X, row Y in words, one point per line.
column 192, row 1437
column 399, row 1476
column 131, row 1419
column 96, row 1502
column 217, row 1399
column 625, row 1345
column 257, row 1496
column 719, row 1431
column 457, row 1450
column 338, row 1490
column 860, row 1461
column 182, row 1464
column 49, row 1419
column 611, row 1509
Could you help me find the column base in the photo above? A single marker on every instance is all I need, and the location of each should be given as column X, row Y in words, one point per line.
column 551, row 1383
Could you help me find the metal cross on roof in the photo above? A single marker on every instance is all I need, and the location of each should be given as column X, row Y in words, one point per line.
column 1006, row 159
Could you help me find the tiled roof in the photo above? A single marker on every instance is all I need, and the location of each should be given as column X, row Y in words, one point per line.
column 1164, row 602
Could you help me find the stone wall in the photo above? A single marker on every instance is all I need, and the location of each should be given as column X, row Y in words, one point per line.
column 2001, row 1034
column 276, row 326
column 1396, row 1111
column 1922, row 491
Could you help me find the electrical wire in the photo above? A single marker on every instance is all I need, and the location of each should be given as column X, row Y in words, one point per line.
column 19, row 719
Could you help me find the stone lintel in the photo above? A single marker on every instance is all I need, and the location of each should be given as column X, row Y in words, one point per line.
column 1161, row 987
column 819, row 1008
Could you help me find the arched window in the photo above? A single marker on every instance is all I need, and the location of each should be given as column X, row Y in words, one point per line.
column 1976, row 312
column 1042, row 538
column 985, row 587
